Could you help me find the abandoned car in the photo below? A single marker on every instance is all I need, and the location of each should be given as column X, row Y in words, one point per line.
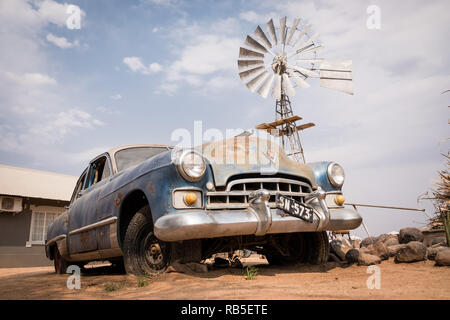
column 146, row 206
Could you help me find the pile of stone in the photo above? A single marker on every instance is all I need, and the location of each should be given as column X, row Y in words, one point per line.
column 406, row 246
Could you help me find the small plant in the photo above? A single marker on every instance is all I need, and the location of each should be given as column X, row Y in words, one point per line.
column 251, row 273
column 142, row 282
column 111, row 286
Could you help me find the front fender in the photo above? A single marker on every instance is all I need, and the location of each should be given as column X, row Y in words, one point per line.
column 320, row 174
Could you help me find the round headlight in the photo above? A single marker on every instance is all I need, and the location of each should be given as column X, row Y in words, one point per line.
column 191, row 166
column 336, row 174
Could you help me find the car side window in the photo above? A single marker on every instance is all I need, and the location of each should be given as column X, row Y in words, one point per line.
column 99, row 170
column 78, row 187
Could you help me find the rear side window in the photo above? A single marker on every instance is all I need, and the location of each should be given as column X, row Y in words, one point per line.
column 78, row 187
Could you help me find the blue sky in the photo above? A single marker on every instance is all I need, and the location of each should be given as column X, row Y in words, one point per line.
column 138, row 70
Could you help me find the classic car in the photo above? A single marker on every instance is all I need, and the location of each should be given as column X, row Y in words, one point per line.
column 147, row 206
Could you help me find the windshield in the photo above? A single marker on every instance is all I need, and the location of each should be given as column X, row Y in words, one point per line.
column 130, row 157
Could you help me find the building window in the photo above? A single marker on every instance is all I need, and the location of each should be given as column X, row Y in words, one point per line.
column 40, row 220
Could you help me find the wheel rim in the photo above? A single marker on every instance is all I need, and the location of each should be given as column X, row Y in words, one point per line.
column 154, row 253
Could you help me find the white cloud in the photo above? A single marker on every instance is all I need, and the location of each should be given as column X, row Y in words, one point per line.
column 136, row 65
column 61, row 41
column 257, row 18
column 116, row 96
column 108, row 110
column 212, row 53
column 45, row 131
column 37, row 112
column 30, row 79
column 206, row 58
column 155, row 67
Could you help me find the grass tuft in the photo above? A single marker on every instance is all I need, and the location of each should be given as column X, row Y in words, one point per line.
column 251, row 273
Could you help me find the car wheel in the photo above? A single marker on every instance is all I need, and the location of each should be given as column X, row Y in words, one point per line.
column 319, row 248
column 144, row 254
column 59, row 262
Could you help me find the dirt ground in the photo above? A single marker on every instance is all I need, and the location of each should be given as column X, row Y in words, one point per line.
column 420, row 280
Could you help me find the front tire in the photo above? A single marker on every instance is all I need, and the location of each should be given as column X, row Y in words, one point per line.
column 143, row 253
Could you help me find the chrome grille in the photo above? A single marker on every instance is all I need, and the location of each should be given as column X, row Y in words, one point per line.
column 235, row 195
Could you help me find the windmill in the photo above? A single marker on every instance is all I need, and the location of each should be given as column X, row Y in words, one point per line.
column 269, row 66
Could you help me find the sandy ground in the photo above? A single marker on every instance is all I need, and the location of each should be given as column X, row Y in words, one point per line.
column 420, row 280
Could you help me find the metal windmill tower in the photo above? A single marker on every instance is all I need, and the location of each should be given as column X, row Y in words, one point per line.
column 270, row 65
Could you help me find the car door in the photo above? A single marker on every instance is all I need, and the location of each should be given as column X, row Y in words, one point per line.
column 84, row 214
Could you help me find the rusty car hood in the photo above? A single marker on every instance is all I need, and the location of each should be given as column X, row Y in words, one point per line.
column 250, row 154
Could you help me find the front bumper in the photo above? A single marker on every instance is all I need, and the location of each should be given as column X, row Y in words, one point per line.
column 187, row 225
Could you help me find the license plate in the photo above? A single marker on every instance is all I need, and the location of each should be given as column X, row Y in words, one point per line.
column 294, row 208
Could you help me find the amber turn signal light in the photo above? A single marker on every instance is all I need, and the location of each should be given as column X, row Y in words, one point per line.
column 190, row 198
column 339, row 199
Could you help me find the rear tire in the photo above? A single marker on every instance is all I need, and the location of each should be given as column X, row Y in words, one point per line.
column 143, row 253
column 60, row 263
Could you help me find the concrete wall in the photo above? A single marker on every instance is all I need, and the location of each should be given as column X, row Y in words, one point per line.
column 15, row 233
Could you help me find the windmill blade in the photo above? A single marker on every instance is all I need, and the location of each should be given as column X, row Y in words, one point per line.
column 299, row 81
column 288, row 89
column 307, row 72
column 250, row 74
column 249, row 64
column 272, row 33
column 245, row 53
column 337, row 75
column 263, row 91
column 302, row 33
column 253, row 84
column 308, row 42
column 283, row 30
column 262, row 36
column 252, row 43
column 276, row 89
column 292, row 31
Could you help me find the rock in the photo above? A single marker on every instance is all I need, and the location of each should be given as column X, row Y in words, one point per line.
column 352, row 255
column 392, row 240
column 407, row 235
column 379, row 249
column 368, row 241
column 413, row 251
column 366, row 259
column 340, row 248
column 394, row 249
column 356, row 243
column 383, row 237
column 443, row 257
column 364, row 250
column 432, row 251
